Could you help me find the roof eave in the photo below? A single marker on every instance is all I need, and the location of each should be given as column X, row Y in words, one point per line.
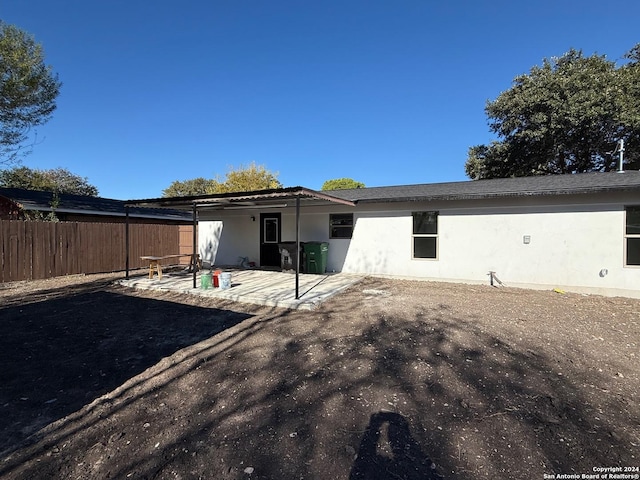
column 486, row 196
column 103, row 213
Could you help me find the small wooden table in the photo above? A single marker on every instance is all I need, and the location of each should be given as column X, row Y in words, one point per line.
column 155, row 264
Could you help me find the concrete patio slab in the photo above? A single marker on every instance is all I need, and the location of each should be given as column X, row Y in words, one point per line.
column 276, row 289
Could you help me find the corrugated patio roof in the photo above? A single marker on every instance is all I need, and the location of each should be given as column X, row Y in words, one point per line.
column 244, row 200
column 262, row 198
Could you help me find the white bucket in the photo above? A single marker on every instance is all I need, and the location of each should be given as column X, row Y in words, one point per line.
column 225, row 280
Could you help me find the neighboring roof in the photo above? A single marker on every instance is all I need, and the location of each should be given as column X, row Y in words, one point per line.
column 85, row 205
column 571, row 184
column 257, row 198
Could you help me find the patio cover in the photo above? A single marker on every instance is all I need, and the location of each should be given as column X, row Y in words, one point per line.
column 273, row 198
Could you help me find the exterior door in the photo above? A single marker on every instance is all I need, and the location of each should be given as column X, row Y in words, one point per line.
column 270, row 230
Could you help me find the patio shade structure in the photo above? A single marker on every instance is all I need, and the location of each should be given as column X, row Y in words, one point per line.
column 273, row 198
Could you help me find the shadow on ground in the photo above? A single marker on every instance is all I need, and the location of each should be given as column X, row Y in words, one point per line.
column 62, row 348
column 360, row 389
column 388, row 450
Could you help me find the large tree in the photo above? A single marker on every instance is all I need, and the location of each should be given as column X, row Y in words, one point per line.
column 341, row 184
column 566, row 116
column 245, row 179
column 28, row 90
column 187, row 188
column 59, row 180
column 241, row 179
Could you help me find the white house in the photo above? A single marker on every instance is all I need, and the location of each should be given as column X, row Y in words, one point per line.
column 578, row 232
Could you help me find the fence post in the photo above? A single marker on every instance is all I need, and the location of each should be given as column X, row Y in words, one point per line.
column 126, row 240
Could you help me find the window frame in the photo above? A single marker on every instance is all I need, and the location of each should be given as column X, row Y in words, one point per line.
column 345, row 227
column 433, row 235
column 628, row 236
column 275, row 221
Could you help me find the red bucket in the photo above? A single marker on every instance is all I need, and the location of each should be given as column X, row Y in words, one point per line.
column 216, row 278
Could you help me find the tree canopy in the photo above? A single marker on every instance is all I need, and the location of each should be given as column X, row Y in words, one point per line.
column 341, row 184
column 28, row 90
column 241, row 179
column 188, row 188
column 566, row 116
column 57, row 180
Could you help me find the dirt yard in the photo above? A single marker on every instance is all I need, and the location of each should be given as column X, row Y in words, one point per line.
column 389, row 380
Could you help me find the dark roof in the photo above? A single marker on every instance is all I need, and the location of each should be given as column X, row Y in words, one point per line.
column 581, row 183
column 86, row 205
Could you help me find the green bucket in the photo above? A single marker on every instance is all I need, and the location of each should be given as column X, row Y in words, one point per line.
column 205, row 281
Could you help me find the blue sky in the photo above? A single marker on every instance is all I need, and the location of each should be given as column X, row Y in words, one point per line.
column 384, row 92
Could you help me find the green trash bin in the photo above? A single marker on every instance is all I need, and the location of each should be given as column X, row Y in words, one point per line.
column 316, row 257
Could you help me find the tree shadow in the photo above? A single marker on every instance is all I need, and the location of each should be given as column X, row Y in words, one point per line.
column 63, row 348
column 388, row 450
column 289, row 395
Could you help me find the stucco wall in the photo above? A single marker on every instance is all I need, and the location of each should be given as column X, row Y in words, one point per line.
column 581, row 249
column 224, row 236
column 575, row 244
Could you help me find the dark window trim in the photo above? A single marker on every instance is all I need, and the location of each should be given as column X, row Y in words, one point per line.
column 630, row 236
column 425, row 235
column 347, row 227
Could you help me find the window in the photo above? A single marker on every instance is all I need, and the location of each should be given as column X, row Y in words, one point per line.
column 632, row 235
column 340, row 225
column 270, row 230
column 425, row 234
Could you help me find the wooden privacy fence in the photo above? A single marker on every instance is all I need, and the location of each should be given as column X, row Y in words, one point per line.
column 37, row 250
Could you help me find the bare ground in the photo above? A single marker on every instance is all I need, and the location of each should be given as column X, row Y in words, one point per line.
column 389, row 380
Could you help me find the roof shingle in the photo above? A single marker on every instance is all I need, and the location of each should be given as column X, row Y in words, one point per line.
column 83, row 204
column 502, row 187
